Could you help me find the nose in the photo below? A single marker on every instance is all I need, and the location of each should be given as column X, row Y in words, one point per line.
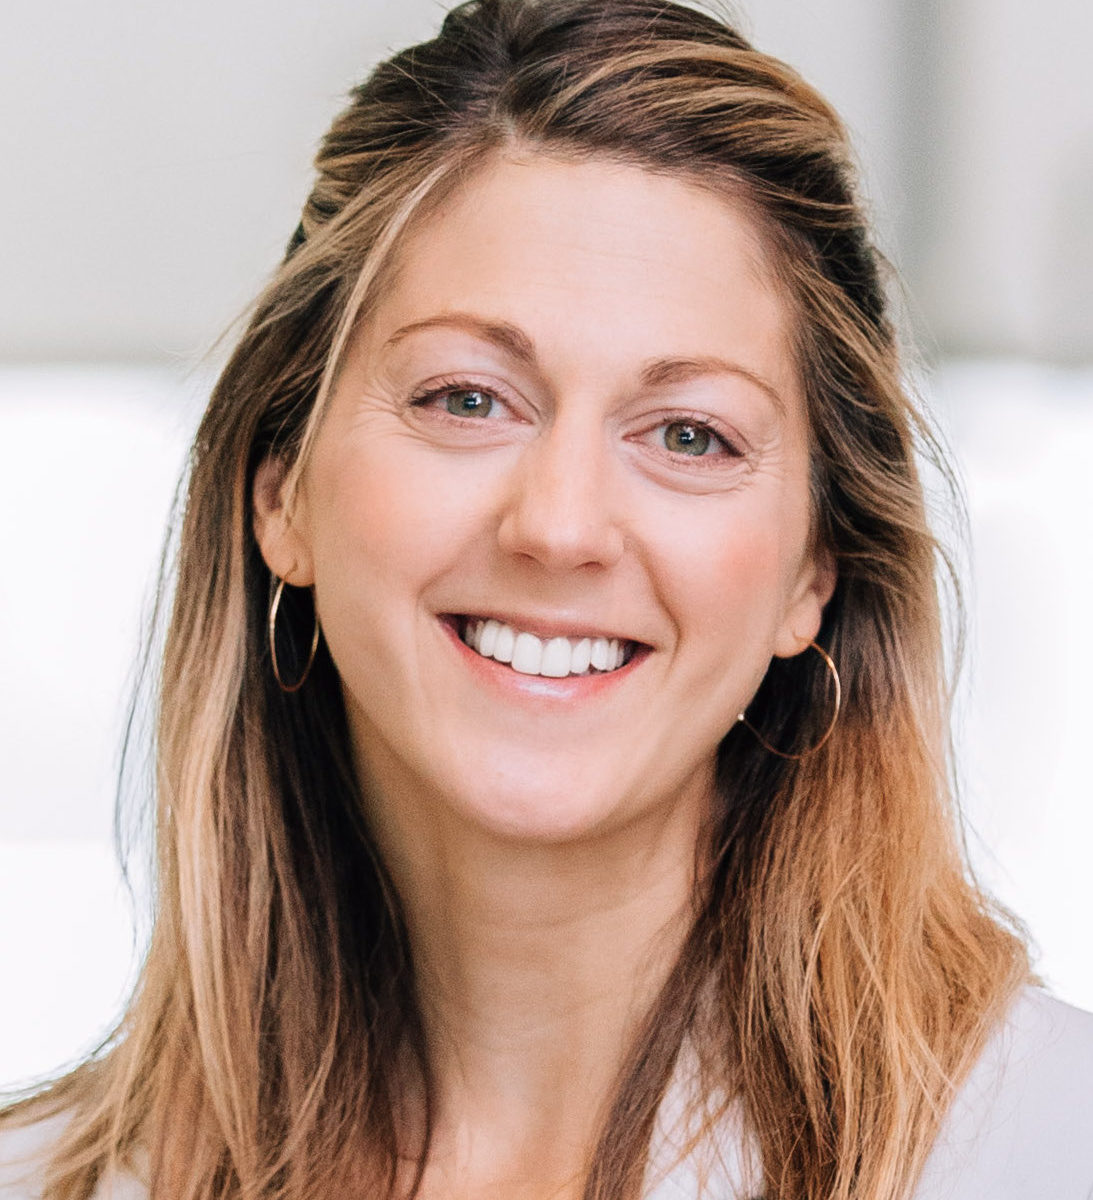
column 562, row 506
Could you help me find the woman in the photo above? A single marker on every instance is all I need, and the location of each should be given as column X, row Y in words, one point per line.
column 552, row 792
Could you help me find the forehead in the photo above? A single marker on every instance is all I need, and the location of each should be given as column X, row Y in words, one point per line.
column 600, row 263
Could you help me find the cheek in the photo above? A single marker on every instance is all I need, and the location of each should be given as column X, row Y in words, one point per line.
column 727, row 576
column 367, row 504
column 386, row 519
column 731, row 559
column 732, row 592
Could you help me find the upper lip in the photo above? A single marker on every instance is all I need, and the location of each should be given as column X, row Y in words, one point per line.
column 545, row 626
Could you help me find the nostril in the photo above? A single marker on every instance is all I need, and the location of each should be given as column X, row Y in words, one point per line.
column 561, row 544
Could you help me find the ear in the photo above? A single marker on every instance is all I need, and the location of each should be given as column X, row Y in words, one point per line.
column 814, row 588
column 279, row 530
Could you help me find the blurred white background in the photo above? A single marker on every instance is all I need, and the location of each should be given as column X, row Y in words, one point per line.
column 154, row 161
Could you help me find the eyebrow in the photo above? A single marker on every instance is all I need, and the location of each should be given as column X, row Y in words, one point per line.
column 659, row 372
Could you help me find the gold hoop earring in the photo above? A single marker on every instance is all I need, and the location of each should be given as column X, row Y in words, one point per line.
column 831, row 725
column 274, row 608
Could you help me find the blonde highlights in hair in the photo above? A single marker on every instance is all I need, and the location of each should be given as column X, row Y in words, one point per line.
column 843, row 971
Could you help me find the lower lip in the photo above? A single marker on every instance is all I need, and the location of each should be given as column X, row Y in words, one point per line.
column 543, row 687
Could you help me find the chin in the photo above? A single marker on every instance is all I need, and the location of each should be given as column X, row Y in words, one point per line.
column 588, row 803
column 559, row 810
column 539, row 819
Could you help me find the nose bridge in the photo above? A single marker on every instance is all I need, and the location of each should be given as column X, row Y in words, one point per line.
column 563, row 508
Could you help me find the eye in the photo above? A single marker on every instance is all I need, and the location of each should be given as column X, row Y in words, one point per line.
column 687, row 437
column 459, row 398
column 468, row 402
column 692, row 438
column 688, row 444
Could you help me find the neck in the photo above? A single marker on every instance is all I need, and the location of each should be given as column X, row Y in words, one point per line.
column 536, row 964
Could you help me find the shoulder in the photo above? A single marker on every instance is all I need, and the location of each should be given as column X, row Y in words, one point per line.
column 1020, row 1127
column 1022, row 1123
column 25, row 1151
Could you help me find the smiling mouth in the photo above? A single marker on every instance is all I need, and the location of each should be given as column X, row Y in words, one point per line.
column 552, row 658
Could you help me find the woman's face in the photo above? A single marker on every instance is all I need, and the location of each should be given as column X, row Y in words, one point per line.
column 571, row 435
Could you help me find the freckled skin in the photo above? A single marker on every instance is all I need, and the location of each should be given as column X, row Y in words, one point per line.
column 565, row 500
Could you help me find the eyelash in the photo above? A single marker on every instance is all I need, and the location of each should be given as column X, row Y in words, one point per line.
column 436, row 391
column 699, row 421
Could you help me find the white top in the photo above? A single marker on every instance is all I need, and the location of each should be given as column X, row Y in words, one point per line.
column 1021, row 1127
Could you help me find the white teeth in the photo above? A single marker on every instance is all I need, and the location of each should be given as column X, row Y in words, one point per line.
column 555, row 658
column 486, row 642
column 527, row 655
column 506, row 643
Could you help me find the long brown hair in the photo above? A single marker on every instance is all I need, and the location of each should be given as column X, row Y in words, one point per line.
column 843, row 971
